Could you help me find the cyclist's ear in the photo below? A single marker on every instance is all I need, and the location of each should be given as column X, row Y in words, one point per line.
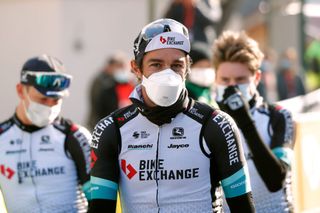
column 136, row 70
column 21, row 89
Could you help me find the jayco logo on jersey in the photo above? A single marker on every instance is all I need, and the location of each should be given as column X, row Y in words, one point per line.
column 177, row 146
column 155, row 170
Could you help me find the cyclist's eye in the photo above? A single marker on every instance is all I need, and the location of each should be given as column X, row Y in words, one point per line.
column 225, row 80
column 156, row 65
column 178, row 67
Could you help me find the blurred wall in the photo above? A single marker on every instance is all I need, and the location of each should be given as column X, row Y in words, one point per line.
column 81, row 33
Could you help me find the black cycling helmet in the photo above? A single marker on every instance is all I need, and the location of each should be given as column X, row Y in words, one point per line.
column 45, row 73
column 162, row 33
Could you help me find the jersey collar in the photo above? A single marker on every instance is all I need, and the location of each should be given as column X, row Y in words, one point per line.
column 27, row 128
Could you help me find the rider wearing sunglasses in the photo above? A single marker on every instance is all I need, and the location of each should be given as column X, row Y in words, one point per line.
column 45, row 157
column 166, row 152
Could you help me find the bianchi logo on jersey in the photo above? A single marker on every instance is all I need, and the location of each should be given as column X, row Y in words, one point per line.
column 19, row 151
column 140, row 146
column 178, row 133
column 141, row 134
column 150, row 170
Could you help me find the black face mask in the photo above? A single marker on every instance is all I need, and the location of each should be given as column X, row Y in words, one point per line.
column 232, row 89
column 161, row 115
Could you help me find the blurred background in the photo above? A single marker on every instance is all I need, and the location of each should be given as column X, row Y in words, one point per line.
column 84, row 33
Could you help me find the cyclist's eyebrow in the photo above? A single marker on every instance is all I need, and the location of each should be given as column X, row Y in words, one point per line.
column 152, row 60
column 179, row 60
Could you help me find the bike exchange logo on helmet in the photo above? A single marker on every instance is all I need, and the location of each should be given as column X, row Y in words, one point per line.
column 160, row 34
column 169, row 40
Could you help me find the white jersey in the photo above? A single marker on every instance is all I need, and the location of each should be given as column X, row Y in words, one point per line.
column 38, row 167
column 173, row 167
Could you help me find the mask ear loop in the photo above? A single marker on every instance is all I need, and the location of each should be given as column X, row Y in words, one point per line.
column 189, row 63
column 23, row 101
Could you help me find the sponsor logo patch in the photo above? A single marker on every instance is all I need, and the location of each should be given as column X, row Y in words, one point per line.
column 45, row 139
column 141, row 134
column 128, row 169
column 140, row 147
column 178, row 133
column 7, row 171
column 150, row 170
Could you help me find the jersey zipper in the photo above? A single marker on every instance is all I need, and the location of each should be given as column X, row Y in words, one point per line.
column 157, row 159
column 32, row 178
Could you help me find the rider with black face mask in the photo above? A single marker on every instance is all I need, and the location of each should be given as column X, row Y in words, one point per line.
column 166, row 152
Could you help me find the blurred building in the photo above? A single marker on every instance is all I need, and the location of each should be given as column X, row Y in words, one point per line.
column 79, row 32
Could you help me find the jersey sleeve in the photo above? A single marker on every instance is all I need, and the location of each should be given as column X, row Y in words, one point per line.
column 77, row 145
column 228, row 164
column 105, row 168
column 282, row 137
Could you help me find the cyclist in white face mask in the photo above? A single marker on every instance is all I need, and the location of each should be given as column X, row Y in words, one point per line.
column 45, row 158
column 267, row 129
column 200, row 79
column 166, row 152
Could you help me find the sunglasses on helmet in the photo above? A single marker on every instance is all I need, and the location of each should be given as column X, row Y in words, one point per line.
column 47, row 80
column 157, row 27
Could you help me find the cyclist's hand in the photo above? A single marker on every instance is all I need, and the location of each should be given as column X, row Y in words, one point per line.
column 236, row 106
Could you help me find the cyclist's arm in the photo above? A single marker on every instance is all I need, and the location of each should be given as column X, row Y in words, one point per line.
column 105, row 167
column 77, row 145
column 228, row 162
column 270, row 164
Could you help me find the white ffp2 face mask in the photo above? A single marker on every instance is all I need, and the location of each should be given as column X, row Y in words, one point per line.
column 163, row 87
column 202, row 76
column 247, row 91
column 42, row 115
